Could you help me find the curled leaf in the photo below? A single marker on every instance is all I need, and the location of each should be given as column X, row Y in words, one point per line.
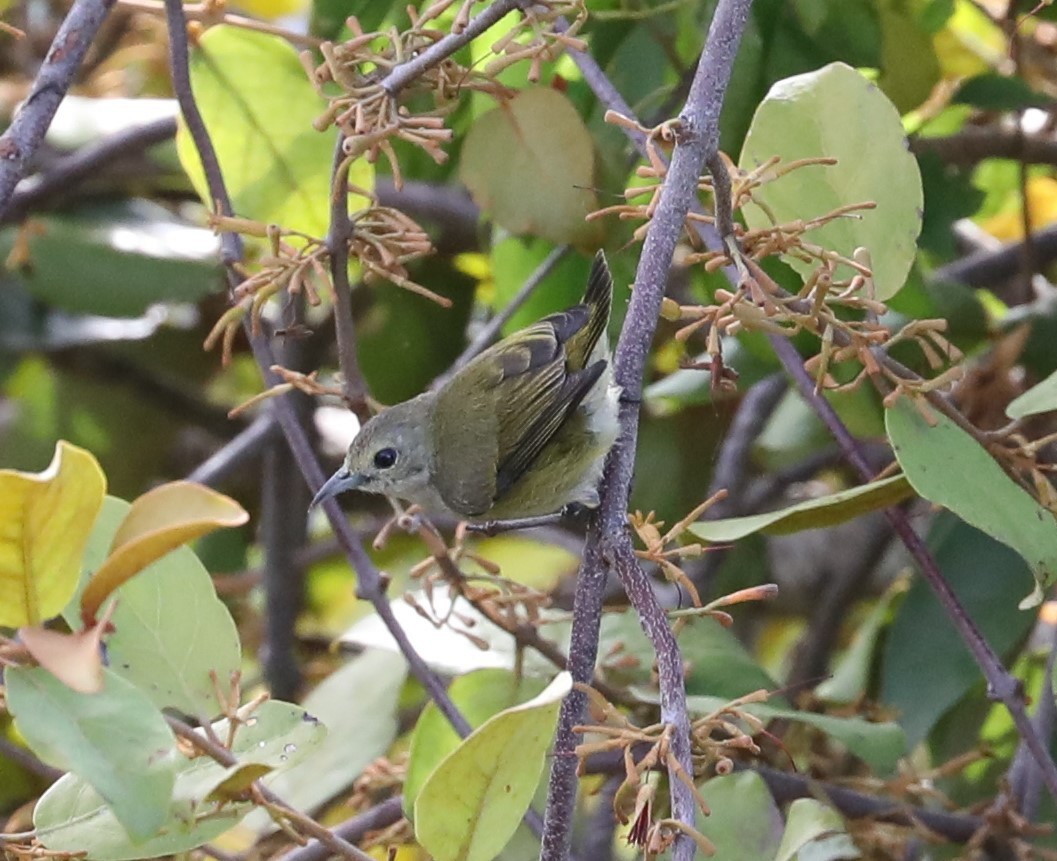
column 158, row 522
column 47, row 517
column 74, row 659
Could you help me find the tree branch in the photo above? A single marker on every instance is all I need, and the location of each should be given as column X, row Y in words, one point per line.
column 354, row 386
column 34, row 192
column 27, row 130
column 973, row 144
column 443, row 48
column 608, row 542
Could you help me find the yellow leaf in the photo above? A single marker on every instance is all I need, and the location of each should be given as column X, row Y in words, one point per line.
column 1008, row 225
column 45, row 520
column 157, row 523
column 270, row 10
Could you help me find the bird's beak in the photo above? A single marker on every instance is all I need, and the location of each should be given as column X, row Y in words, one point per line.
column 339, row 482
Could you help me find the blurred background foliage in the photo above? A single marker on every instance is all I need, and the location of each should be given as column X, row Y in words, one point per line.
column 111, row 284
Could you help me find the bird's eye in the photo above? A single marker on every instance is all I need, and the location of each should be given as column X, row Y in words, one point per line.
column 385, row 458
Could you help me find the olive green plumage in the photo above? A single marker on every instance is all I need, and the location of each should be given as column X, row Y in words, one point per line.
column 520, row 431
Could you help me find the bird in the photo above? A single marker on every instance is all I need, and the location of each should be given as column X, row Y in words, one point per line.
column 521, row 431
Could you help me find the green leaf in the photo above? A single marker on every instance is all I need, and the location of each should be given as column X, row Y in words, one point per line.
column 117, row 259
column 744, row 824
column 815, row 831
column 478, row 696
column 925, row 668
column 514, row 260
column 171, row 631
column 71, row 817
column 717, row 661
column 880, row 745
column 848, row 682
column 259, row 107
column 277, row 735
column 116, row 740
column 948, row 467
column 1040, row 398
column 993, row 92
column 910, row 68
column 836, row 112
column 473, row 801
column 358, row 705
column 530, row 164
column 815, row 513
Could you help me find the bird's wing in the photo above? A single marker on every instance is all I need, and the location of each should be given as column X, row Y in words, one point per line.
column 510, row 400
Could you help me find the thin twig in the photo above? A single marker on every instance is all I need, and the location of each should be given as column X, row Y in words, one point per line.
column 608, row 542
column 974, row 144
column 987, row 268
column 242, row 450
column 443, row 48
column 66, row 173
column 21, row 139
column 303, row 823
column 354, row 386
column 1024, row 783
column 376, row 818
column 207, row 13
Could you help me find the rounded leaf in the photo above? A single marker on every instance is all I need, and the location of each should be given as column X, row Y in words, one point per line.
column 530, row 164
column 116, row 740
column 259, row 107
column 835, row 112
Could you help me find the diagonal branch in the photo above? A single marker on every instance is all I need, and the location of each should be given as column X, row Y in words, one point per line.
column 443, row 48
column 23, row 136
column 371, row 584
column 1001, row 684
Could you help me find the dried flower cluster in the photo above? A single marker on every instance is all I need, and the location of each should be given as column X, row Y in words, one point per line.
column 371, row 106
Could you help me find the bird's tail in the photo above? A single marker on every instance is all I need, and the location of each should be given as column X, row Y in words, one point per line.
column 598, row 297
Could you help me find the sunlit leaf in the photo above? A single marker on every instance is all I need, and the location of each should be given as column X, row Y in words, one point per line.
column 46, row 519
column 116, row 740
column 948, row 467
column 473, row 801
column 157, row 523
column 259, row 107
column 530, row 164
column 815, row 513
column 835, row 112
